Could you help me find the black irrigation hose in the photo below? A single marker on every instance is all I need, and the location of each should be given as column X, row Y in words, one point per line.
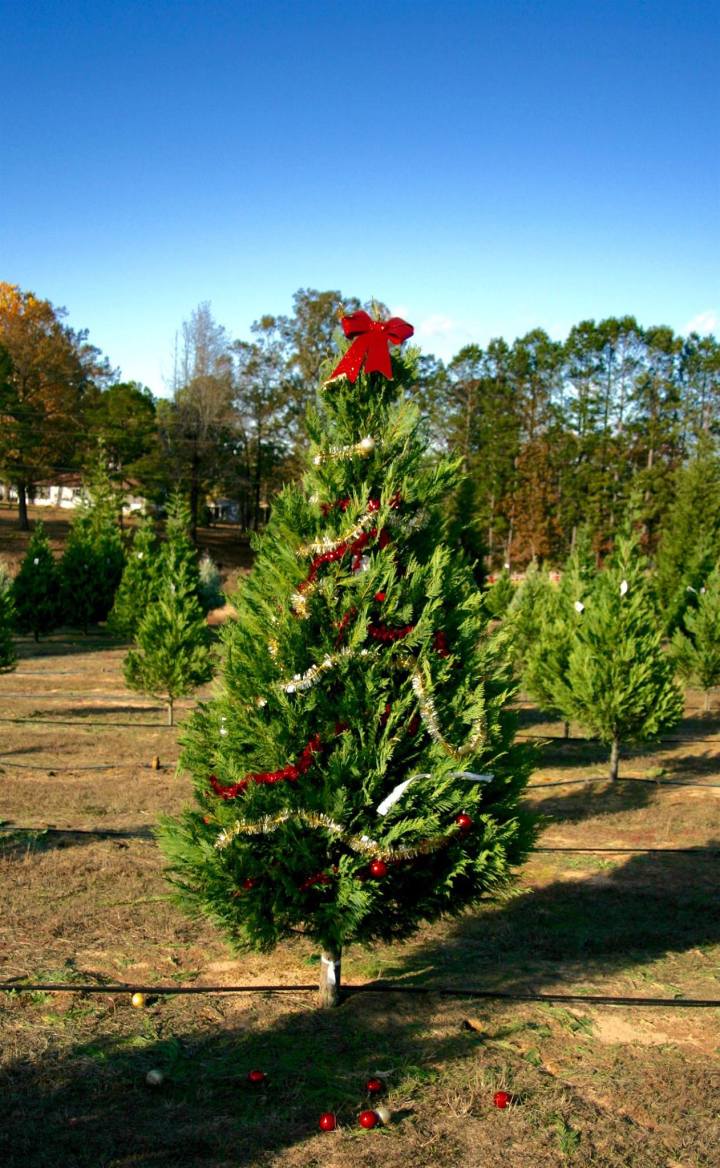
column 604, row 779
column 118, row 833
column 372, row 987
column 101, row 766
column 82, row 722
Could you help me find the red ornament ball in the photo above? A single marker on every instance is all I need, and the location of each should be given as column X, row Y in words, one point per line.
column 374, row 1086
column 501, row 1099
column 378, row 868
column 368, row 1119
column 328, row 1122
column 380, row 596
column 249, row 883
column 463, row 821
column 256, row 1077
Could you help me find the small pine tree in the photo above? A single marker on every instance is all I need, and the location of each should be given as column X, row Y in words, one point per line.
column 92, row 563
column 498, row 597
column 172, row 656
column 211, row 593
column 696, row 652
column 553, row 621
column 8, row 656
column 527, row 613
column 690, row 536
column 36, row 588
column 616, row 681
column 138, row 586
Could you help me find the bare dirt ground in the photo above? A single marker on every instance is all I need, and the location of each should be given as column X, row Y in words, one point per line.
column 593, row 1086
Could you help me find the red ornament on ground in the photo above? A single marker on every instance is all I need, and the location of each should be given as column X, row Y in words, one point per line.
column 368, row 1119
column 328, row 1122
column 374, row 1086
column 463, row 821
column 256, row 1077
column 501, row 1099
column 378, row 868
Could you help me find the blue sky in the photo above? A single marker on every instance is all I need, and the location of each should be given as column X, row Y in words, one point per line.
column 483, row 167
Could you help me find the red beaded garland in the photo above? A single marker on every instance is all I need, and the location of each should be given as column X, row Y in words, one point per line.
column 368, row 1119
column 328, row 1122
column 291, row 772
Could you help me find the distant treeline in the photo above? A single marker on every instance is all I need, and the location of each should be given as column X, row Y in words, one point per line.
column 554, row 436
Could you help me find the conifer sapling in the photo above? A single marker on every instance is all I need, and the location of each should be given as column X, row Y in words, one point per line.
column 36, row 588
column 8, row 656
column 696, row 652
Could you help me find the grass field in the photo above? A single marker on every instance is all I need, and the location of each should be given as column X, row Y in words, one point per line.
column 601, row 1086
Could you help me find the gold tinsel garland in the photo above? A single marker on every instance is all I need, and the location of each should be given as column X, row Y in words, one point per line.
column 428, row 713
column 362, row 449
column 360, row 844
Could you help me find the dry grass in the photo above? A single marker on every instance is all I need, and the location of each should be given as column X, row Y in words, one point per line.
column 597, row 1087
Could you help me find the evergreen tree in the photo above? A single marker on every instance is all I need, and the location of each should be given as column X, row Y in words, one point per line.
column 528, row 612
column 137, row 587
column 336, row 769
column 690, row 536
column 211, row 593
column 172, row 655
column 499, row 595
column 696, row 652
column 556, row 619
column 616, row 681
column 92, row 563
column 8, row 656
column 36, row 588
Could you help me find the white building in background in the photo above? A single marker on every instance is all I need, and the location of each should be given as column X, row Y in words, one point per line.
column 66, row 491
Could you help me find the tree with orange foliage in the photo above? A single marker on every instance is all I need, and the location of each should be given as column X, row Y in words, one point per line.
column 49, row 369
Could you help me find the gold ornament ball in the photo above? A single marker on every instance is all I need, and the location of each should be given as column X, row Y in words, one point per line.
column 154, row 1078
column 138, row 1001
column 366, row 445
column 383, row 1113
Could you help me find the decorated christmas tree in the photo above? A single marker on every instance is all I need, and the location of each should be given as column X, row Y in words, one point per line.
column 696, row 652
column 137, row 586
column 355, row 774
column 36, row 588
column 8, row 656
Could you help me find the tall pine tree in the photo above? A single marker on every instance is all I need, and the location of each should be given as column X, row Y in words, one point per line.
column 341, row 770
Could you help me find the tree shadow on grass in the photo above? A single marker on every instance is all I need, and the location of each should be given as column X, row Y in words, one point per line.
column 589, row 800
column 623, row 916
column 88, row 1104
column 16, row 840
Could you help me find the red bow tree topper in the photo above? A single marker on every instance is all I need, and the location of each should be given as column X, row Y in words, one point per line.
column 371, row 340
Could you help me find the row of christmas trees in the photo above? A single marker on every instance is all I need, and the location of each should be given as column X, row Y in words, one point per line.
column 155, row 594
column 600, row 649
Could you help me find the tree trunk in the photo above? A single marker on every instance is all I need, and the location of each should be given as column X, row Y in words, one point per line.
column 706, row 702
column 22, row 507
column 170, row 711
column 614, row 758
column 566, row 729
column 329, row 990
